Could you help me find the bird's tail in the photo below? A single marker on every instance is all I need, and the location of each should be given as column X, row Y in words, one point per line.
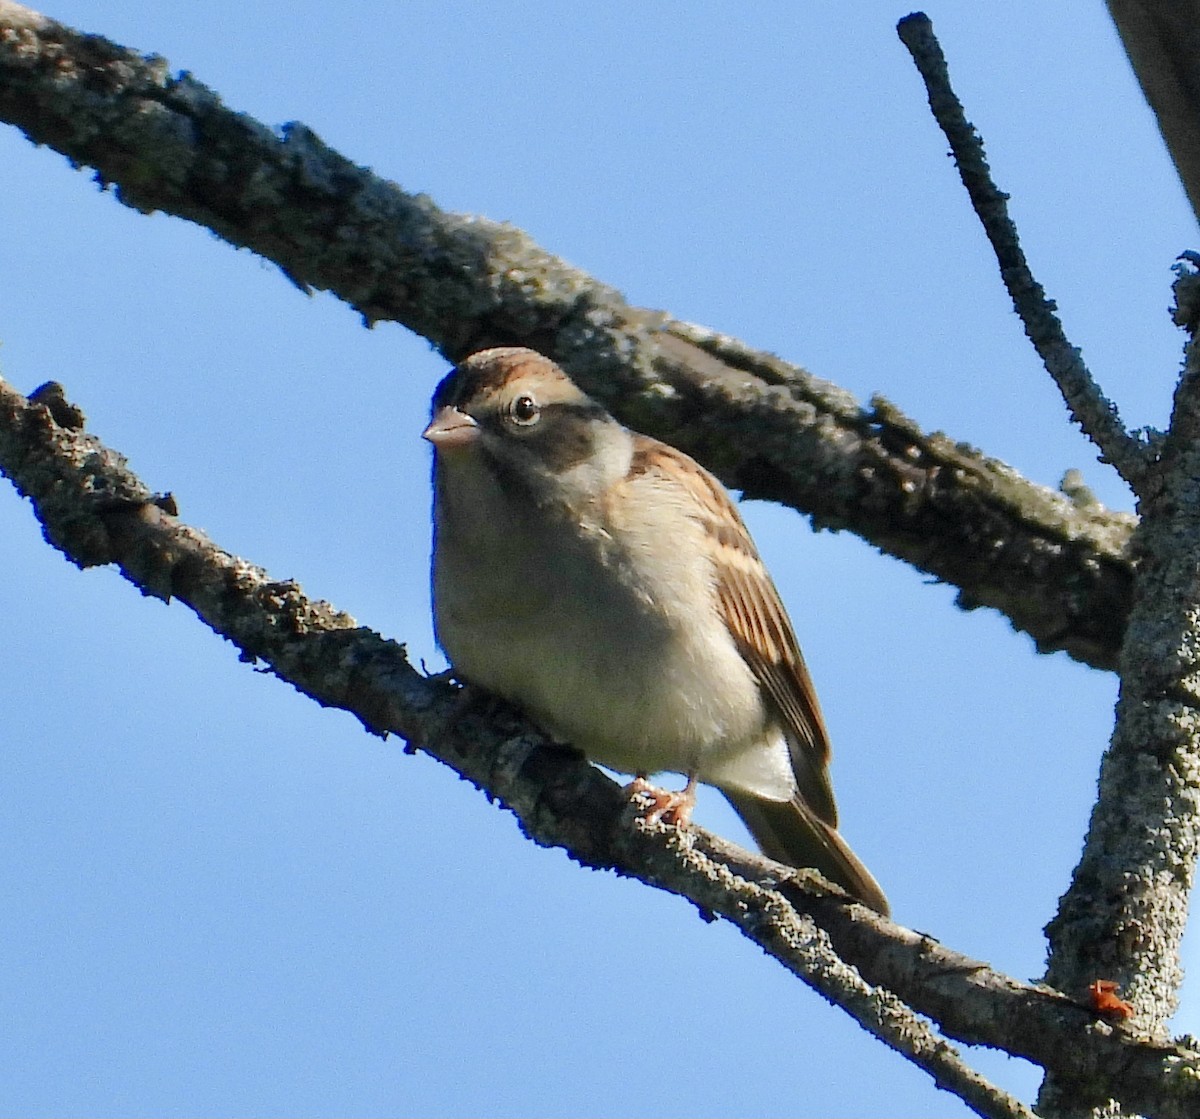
column 790, row 832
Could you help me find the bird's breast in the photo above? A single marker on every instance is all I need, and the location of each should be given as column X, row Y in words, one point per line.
column 605, row 648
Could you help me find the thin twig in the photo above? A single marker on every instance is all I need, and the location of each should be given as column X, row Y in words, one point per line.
column 893, row 1022
column 1088, row 406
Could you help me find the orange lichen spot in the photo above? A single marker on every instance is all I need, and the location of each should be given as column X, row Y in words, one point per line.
column 1104, row 999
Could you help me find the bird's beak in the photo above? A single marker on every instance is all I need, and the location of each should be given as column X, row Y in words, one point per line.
column 451, row 428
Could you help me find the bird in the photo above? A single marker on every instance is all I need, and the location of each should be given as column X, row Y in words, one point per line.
column 604, row 582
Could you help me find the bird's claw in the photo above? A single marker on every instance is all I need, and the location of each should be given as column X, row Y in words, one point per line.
column 669, row 806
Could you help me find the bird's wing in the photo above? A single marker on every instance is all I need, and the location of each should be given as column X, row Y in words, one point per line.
column 756, row 619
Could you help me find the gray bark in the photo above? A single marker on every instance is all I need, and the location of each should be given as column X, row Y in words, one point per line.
column 1124, row 915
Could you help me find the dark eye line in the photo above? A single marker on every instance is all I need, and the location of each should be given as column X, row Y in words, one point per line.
column 553, row 413
column 558, row 410
column 583, row 409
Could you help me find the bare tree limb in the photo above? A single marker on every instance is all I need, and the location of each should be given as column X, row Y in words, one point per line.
column 1088, row 406
column 1163, row 45
column 1057, row 569
column 94, row 510
column 1124, row 915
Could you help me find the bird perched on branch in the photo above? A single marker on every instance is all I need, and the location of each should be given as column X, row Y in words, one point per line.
column 604, row 582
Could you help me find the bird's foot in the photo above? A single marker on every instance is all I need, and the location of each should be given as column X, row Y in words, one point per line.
column 669, row 806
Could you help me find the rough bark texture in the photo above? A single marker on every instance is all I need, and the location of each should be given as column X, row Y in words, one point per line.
column 1124, row 915
column 1057, row 569
column 94, row 510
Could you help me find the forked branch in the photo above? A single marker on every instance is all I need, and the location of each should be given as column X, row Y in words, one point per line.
column 1124, row 915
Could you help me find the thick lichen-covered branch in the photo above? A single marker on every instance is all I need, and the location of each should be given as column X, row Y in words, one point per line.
column 1056, row 568
column 94, row 510
column 1125, row 912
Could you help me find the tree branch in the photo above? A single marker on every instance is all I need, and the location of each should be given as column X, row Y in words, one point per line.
column 1124, row 914
column 1087, row 405
column 94, row 510
column 1058, row 570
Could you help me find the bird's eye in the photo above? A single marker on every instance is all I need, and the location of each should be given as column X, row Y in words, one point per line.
column 524, row 410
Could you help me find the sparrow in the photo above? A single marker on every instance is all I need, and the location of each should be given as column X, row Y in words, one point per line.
column 604, row 582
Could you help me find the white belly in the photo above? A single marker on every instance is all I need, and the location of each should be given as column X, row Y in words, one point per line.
column 635, row 677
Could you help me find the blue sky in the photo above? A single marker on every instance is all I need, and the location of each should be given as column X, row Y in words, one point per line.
column 219, row 898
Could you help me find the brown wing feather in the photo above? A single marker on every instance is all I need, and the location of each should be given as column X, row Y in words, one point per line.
column 757, row 620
